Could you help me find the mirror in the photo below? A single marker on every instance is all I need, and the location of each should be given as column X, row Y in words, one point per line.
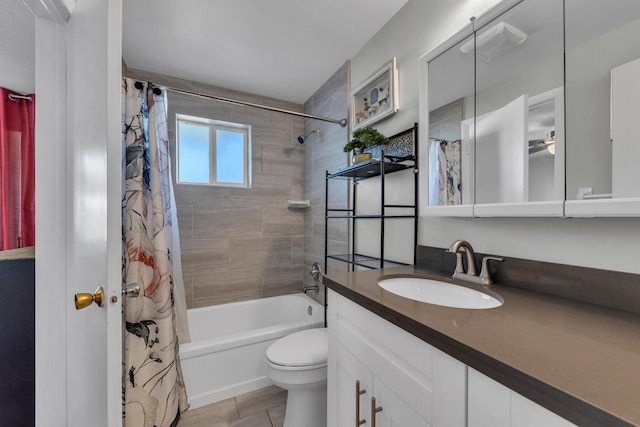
column 496, row 114
column 603, row 88
column 17, row 75
column 519, row 113
column 451, row 100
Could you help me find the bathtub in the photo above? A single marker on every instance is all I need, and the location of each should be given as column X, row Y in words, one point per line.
column 227, row 354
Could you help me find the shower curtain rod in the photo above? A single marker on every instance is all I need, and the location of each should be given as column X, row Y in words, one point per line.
column 342, row 122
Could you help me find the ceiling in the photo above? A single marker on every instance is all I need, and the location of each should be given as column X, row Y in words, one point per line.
column 284, row 49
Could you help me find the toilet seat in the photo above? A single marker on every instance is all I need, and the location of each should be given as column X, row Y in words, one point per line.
column 299, row 351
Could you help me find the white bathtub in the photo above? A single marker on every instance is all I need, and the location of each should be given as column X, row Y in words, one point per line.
column 227, row 354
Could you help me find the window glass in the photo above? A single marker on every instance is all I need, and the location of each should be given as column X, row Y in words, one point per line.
column 229, row 156
column 213, row 152
column 194, row 153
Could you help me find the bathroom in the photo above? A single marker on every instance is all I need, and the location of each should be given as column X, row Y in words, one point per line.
column 605, row 243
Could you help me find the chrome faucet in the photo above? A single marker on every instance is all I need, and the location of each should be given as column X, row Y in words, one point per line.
column 314, row 288
column 471, row 263
column 470, row 275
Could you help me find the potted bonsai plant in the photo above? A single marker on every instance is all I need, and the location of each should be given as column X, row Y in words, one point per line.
column 364, row 138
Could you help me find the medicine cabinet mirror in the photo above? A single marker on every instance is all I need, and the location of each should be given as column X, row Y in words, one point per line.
column 450, row 80
column 494, row 96
column 602, row 107
column 503, row 151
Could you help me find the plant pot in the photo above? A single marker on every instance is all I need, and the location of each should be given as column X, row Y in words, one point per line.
column 362, row 157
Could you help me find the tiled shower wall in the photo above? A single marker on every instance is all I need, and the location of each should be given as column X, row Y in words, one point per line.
column 239, row 244
column 322, row 153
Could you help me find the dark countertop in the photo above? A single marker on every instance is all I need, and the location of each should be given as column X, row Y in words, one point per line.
column 579, row 360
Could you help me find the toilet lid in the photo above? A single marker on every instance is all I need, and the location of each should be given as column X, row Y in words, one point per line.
column 304, row 348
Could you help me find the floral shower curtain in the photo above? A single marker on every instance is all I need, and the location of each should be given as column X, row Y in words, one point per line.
column 153, row 387
column 444, row 173
column 17, row 171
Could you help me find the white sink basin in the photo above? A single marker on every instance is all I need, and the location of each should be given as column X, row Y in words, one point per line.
column 439, row 293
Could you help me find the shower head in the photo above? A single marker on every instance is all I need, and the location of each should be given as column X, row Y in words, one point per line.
column 303, row 138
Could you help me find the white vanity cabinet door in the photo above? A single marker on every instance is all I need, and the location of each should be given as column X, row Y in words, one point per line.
column 493, row 405
column 343, row 371
column 394, row 411
column 414, row 383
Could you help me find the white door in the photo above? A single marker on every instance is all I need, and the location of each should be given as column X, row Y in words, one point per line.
column 501, row 154
column 78, row 185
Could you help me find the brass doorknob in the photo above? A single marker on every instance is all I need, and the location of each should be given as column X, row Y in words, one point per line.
column 84, row 300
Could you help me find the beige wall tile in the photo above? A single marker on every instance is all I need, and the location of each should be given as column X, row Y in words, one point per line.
column 313, row 250
column 225, row 286
column 260, row 195
column 297, row 188
column 185, row 221
column 322, row 154
column 187, row 278
column 265, row 251
column 282, row 221
column 266, row 127
column 204, row 255
column 278, row 160
column 281, row 280
column 200, row 195
column 227, row 222
column 297, row 250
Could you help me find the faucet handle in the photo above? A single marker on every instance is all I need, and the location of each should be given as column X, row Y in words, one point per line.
column 485, row 276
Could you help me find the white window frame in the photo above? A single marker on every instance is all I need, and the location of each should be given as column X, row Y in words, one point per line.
column 213, row 126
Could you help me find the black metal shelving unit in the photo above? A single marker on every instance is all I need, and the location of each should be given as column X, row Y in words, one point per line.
column 400, row 154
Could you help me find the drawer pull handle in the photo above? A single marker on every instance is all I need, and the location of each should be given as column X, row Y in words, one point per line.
column 374, row 411
column 359, row 392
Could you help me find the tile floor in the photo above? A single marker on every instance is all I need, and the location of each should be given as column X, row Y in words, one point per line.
column 260, row 408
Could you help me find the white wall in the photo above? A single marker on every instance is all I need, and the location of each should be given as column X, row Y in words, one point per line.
column 17, row 47
column 601, row 243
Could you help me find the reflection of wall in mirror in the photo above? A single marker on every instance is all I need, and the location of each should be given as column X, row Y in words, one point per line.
column 588, row 148
column 625, row 134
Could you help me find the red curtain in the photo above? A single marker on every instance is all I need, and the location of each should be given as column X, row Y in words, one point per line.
column 17, row 171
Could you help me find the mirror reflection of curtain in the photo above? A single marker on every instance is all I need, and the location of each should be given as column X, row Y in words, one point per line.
column 154, row 391
column 444, row 173
column 17, row 171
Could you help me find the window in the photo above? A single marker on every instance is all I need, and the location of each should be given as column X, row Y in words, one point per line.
column 213, row 152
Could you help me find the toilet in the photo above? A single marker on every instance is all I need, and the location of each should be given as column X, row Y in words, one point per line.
column 298, row 364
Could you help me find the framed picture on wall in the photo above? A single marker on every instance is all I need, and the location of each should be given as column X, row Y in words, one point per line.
column 376, row 97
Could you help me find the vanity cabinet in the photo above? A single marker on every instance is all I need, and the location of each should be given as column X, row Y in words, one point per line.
column 412, row 382
column 493, row 405
column 358, row 392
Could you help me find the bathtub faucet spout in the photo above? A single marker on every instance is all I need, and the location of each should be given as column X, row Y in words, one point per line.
column 314, row 288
